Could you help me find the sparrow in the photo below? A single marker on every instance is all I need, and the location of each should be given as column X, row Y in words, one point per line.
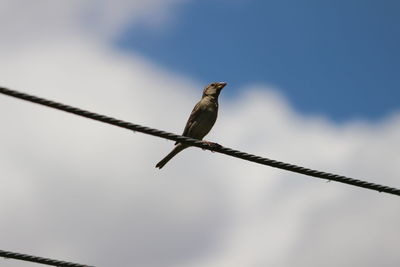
column 200, row 121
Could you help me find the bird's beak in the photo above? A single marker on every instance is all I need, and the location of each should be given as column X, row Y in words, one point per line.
column 221, row 85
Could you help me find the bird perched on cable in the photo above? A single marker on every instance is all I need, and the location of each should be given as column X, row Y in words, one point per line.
column 201, row 120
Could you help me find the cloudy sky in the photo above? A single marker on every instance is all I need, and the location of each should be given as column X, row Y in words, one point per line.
column 314, row 83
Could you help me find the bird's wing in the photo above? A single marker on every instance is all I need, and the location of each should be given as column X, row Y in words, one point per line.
column 193, row 116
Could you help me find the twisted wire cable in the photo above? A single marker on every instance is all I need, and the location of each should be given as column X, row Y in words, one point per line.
column 201, row 144
column 25, row 257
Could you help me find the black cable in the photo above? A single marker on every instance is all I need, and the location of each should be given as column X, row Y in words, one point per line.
column 25, row 257
column 200, row 144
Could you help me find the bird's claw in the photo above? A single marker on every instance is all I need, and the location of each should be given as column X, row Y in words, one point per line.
column 212, row 145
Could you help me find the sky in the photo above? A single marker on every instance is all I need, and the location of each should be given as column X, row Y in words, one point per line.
column 82, row 191
column 339, row 59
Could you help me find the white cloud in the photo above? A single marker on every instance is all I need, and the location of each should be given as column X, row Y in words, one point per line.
column 24, row 21
column 79, row 190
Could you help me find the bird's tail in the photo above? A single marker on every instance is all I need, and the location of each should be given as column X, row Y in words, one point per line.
column 178, row 148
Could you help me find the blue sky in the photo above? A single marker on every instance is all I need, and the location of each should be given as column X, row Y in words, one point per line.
column 340, row 59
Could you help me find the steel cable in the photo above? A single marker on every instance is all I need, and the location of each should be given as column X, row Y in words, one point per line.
column 25, row 257
column 201, row 144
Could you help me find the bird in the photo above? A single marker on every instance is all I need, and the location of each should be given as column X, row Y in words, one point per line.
column 201, row 119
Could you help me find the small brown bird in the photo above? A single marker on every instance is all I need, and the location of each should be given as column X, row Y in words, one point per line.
column 201, row 120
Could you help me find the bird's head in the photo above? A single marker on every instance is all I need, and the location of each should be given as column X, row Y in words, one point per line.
column 213, row 89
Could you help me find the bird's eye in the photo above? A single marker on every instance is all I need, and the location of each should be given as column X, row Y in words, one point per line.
column 213, row 84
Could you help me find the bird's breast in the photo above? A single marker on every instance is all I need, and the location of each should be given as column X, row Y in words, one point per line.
column 205, row 121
